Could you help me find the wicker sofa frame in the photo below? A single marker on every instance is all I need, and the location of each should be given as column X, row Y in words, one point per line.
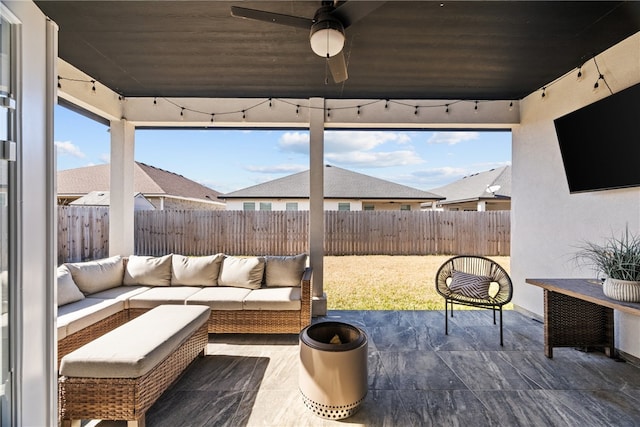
column 125, row 398
column 220, row 321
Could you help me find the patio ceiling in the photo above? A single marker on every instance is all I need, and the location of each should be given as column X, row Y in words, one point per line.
column 404, row 49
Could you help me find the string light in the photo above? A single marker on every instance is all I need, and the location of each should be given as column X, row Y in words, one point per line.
column 580, row 72
column 596, row 85
column 271, row 102
column 544, row 92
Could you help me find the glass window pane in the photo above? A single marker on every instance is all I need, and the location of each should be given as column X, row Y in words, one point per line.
column 249, row 206
column 265, row 206
column 292, row 206
column 344, row 206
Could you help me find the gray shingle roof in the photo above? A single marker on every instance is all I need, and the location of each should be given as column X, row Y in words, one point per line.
column 148, row 180
column 338, row 184
column 475, row 186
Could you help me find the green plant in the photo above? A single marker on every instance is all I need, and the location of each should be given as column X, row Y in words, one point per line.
column 617, row 258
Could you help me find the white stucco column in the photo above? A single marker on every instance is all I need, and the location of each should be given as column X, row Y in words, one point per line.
column 121, row 218
column 316, row 203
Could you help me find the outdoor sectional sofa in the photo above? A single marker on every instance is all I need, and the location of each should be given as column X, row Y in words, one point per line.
column 263, row 294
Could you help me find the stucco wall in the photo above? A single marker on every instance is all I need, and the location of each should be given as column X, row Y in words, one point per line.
column 329, row 205
column 547, row 221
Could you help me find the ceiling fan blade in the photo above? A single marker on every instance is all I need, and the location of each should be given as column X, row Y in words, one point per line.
column 338, row 67
column 352, row 11
column 275, row 18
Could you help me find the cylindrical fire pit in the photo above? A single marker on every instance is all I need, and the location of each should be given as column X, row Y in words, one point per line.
column 333, row 369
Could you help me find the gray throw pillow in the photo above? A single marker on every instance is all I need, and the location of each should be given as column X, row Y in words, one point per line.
column 284, row 270
column 148, row 270
column 98, row 275
column 242, row 272
column 68, row 291
column 195, row 270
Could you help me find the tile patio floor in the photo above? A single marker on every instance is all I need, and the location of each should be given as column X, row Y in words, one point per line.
column 417, row 377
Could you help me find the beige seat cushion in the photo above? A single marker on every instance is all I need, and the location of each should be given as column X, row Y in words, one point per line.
column 279, row 298
column 220, row 297
column 81, row 314
column 148, row 271
column 284, row 270
column 241, row 272
column 133, row 349
column 195, row 270
column 162, row 295
column 68, row 291
column 98, row 275
column 121, row 293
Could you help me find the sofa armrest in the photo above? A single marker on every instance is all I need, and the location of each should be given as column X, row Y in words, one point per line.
column 306, row 289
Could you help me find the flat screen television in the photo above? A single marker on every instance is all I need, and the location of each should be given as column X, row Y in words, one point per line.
column 600, row 143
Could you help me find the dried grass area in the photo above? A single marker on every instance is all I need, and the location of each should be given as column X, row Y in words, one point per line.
column 382, row 282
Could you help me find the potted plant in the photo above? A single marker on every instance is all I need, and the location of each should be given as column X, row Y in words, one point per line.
column 618, row 259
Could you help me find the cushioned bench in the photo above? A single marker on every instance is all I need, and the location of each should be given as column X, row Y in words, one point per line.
column 119, row 375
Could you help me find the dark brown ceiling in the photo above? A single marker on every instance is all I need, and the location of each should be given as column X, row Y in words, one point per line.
column 404, row 49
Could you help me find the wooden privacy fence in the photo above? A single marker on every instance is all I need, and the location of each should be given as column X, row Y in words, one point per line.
column 83, row 232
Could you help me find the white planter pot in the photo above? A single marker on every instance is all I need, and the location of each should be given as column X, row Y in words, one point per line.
column 622, row 290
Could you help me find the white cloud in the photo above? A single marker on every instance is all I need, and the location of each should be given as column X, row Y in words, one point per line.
column 342, row 141
column 284, row 168
column 452, row 138
column 374, row 159
column 68, row 148
column 297, row 142
column 105, row 158
column 345, row 141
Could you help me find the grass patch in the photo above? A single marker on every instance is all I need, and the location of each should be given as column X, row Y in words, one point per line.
column 385, row 282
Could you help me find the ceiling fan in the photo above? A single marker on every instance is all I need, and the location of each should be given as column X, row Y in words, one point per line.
column 326, row 28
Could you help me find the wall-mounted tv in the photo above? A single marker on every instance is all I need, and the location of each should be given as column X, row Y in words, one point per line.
column 600, row 143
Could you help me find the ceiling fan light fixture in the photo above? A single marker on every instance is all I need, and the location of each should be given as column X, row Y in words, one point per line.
column 327, row 38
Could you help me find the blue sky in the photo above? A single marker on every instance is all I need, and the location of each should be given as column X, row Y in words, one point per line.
column 228, row 160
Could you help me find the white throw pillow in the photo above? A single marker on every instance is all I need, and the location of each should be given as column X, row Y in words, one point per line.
column 241, row 272
column 195, row 270
column 68, row 291
column 285, row 270
column 148, row 270
column 98, row 275
column 470, row 285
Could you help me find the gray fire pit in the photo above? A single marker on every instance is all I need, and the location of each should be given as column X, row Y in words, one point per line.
column 333, row 376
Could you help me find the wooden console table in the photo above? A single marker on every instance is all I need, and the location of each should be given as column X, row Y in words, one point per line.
column 578, row 314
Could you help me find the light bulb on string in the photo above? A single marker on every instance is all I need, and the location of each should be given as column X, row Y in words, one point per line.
column 358, row 111
column 475, row 108
column 155, row 101
column 297, row 111
column 328, row 112
column 580, row 73
column 270, row 103
column 212, row 116
column 544, row 92
column 93, row 87
column 244, row 114
column 386, row 104
column 59, row 85
column 511, row 106
column 415, row 112
column 596, row 85
column 446, row 108
column 181, row 113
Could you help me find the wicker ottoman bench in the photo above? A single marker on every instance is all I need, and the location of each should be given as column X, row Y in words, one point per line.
column 121, row 374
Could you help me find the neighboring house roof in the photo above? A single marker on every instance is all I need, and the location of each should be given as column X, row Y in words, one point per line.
column 148, row 180
column 102, row 198
column 489, row 185
column 338, row 184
